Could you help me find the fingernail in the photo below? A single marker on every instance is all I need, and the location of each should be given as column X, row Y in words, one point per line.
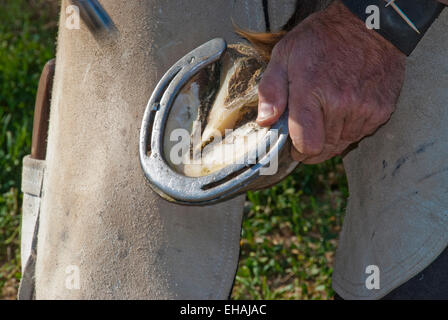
column 265, row 111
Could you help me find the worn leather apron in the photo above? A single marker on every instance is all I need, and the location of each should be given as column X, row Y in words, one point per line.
column 103, row 233
column 397, row 214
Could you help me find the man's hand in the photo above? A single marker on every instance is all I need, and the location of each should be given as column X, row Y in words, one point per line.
column 339, row 80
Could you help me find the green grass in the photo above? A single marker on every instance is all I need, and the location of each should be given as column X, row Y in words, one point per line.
column 289, row 232
column 289, row 235
column 26, row 43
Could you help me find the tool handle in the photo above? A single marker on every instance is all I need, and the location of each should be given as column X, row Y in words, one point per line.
column 42, row 112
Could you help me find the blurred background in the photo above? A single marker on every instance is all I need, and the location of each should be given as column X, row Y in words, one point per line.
column 289, row 233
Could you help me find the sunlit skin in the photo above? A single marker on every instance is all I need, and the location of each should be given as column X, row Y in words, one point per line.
column 339, row 80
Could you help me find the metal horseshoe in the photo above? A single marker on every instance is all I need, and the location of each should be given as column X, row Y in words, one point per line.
column 224, row 184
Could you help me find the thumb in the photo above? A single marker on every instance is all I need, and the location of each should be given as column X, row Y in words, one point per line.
column 272, row 93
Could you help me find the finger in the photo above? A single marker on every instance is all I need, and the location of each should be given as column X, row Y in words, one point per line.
column 306, row 121
column 334, row 124
column 355, row 123
column 272, row 93
column 329, row 152
column 334, row 115
column 297, row 156
column 378, row 118
column 318, row 159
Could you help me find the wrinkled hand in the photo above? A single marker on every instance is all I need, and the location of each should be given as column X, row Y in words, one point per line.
column 339, row 80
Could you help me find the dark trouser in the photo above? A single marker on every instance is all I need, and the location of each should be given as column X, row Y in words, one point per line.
column 430, row 284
